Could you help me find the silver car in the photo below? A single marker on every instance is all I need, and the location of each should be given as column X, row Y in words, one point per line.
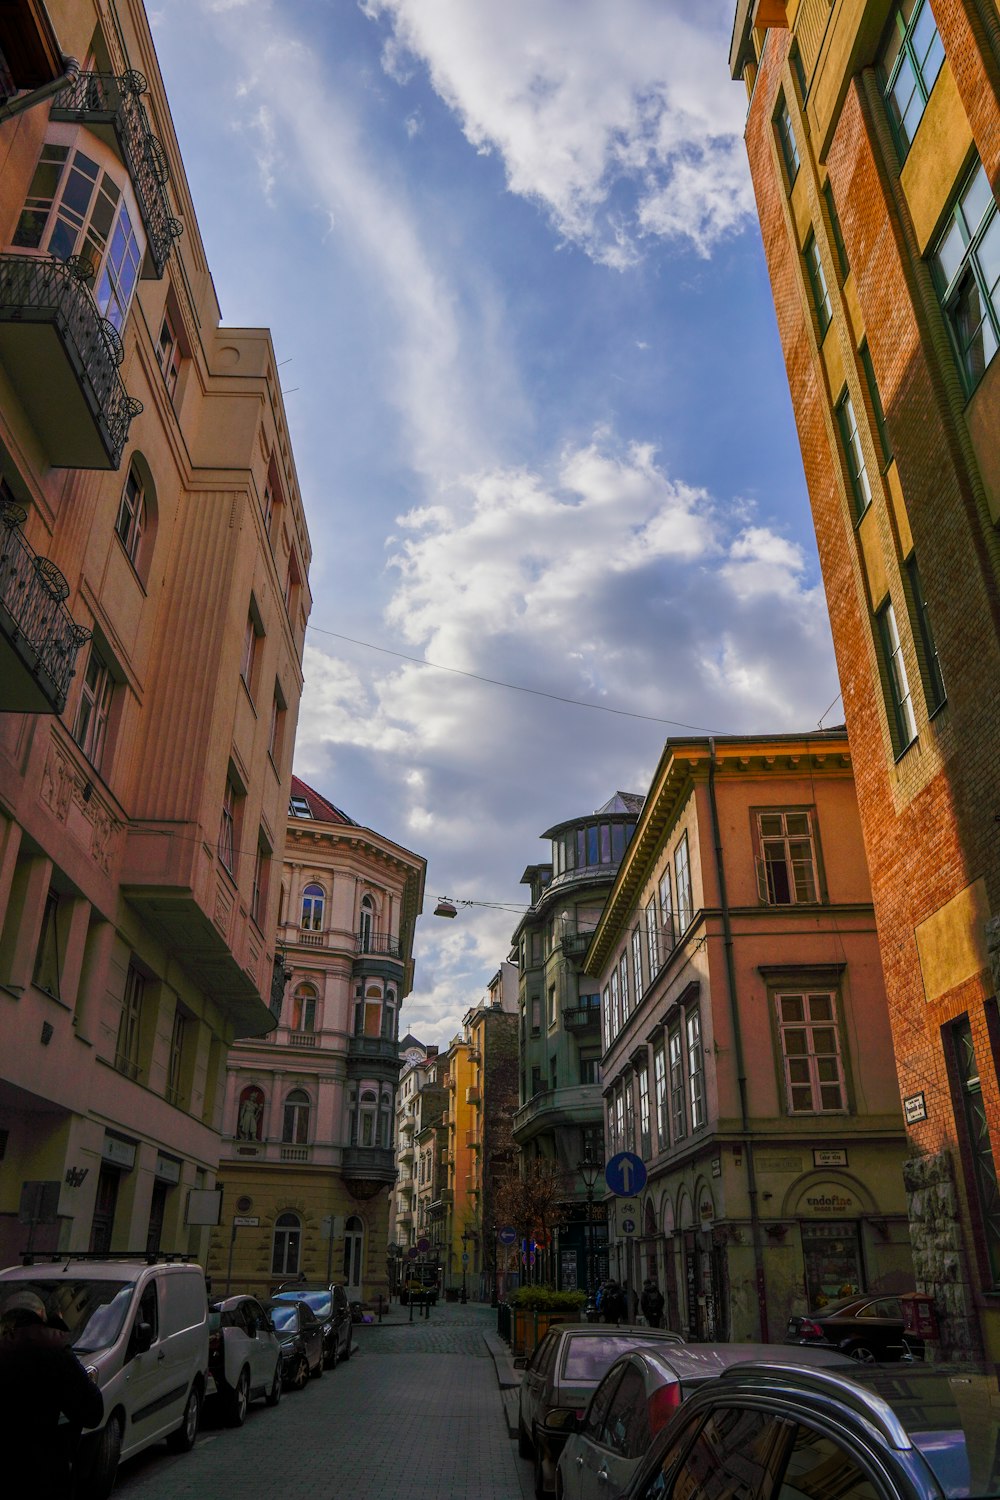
column 244, row 1357
column 637, row 1397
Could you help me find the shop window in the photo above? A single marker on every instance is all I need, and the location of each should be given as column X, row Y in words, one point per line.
column 831, row 1257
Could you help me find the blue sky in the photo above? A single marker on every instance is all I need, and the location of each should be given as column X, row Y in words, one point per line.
column 510, row 263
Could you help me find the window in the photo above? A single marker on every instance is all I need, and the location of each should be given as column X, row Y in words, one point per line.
column 175, row 1060
column 366, row 924
column 286, row 1246
column 592, row 1143
column 682, row 872
column 292, row 581
column 129, row 1023
column 227, row 826
column 876, row 400
column 817, row 283
column 678, row 1117
column 267, row 505
column 966, row 268
column 168, row 354
column 276, row 733
column 620, row 1118
column 786, row 140
column 836, row 231
column 624, row 987
column 660, row 1090
column 903, row 725
column 313, row 907
column 696, row 1069
column 553, row 1073
column 552, row 1005
column 666, row 915
column 637, row 962
column 45, row 973
column 909, row 62
column 131, row 522
column 810, row 1050
column 73, row 207
column 935, row 688
column 856, row 468
column 94, row 707
column 629, row 1116
column 389, row 1015
column 252, row 635
column 261, row 874
column 981, row 1154
column 616, row 1023
column 536, row 1015
column 295, row 1125
column 590, row 1070
column 813, row 1459
column 786, row 865
column 652, row 943
column 645, row 1143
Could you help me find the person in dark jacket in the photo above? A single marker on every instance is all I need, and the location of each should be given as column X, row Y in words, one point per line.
column 41, row 1380
column 614, row 1307
column 651, row 1303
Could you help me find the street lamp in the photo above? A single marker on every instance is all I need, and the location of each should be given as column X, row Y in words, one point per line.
column 465, row 1262
column 589, row 1172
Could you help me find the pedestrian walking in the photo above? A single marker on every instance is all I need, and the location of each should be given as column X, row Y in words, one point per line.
column 651, row 1303
column 41, row 1380
column 613, row 1304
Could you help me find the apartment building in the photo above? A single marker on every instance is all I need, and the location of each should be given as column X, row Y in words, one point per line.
column 153, row 603
column 874, row 147
column 747, row 1051
column 492, row 1029
column 308, row 1154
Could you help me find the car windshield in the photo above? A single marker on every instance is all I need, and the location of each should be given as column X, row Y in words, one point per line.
column 93, row 1311
column 320, row 1303
column 285, row 1317
column 953, row 1418
column 588, row 1355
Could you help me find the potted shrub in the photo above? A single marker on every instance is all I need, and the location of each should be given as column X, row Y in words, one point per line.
column 536, row 1308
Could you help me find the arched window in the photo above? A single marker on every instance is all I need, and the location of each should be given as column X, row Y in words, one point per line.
column 250, row 1114
column 131, row 522
column 295, row 1127
column 367, row 924
column 389, row 1015
column 385, row 1117
column 287, row 1245
column 304, row 1008
column 373, row 1010
column 313, row 904
column 367, row 1111
column 354, row 1248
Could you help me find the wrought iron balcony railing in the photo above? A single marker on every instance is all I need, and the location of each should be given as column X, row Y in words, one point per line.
column 378, row 942
column 104, row 99
column 33, row 612
column 39, row 289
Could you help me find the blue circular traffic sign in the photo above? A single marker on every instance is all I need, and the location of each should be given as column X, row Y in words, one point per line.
column 507, row 1235
column 625, row 1174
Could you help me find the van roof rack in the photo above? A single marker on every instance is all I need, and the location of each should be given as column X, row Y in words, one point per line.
column 149, row 1257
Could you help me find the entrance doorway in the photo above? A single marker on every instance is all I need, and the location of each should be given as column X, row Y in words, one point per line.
column 103, row 1223
column 354, row 1247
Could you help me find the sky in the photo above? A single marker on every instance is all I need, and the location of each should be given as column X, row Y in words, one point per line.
column 541, row 424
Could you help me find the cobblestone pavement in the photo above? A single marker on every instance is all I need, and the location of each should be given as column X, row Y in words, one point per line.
column 416, row 1415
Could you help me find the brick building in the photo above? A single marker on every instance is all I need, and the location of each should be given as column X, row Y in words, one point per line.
column 153, row 605
column 873, row 135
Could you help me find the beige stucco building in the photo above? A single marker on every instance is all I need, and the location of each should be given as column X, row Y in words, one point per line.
column 153, row 603
column 308, row 1157
column 747, row 1050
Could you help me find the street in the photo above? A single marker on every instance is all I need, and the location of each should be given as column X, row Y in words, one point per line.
column 416, row 1414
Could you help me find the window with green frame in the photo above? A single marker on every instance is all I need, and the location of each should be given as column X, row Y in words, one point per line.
column 966, row 268
column 909, row 62
column 817, row 283
column 857, row 469
column 876, row 401
column 836, row 231
column 933, row 676
column 902, row 721
column 786, row 139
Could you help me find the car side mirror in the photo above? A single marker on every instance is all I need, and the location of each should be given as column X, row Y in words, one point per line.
column 521, row 1362
column 142, row 1337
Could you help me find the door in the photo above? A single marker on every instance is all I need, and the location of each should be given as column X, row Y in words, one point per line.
column 102, row 1226
column 590, row 1450
column 626, row 1433
column 533, row 1381
column 148, row 1375
column 354, row 1244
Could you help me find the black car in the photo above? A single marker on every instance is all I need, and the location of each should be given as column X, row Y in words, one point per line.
column 330, row 1305
column 868, row 1327
column 766, row 1432
column 300, row 1335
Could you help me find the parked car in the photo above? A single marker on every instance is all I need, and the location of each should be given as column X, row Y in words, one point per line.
column 244, row 1357
column 639, row 1395
column 140, row 1328
column 330, row 1305
column 868, row 1327
column 561, row 1374
column 300, row 1334
column 769, row 1432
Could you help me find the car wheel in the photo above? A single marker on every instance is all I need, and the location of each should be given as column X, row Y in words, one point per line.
column 99, row 1480
column 524, row 1447
column 300, row 1375
column 540, row 1490
column 274, row 1394
column 237, row 1400
column 182, row 1439
column 861, row 1353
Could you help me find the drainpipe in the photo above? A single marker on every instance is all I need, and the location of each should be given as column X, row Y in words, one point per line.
column 741, row 1072
column 21, row 102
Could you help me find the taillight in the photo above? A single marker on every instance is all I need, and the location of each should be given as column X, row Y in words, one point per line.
column 809, row 1330
column 662, row 1405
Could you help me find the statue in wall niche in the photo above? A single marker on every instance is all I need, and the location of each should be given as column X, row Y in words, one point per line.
column 251, row 1115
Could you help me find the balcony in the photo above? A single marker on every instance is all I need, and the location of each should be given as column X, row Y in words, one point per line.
column 406, row 1151
column 39, row 640
column 302, row 1039
column 582, row 1018
column 295, row 1153
column 63, row 358
column 368, row 1168
column 112, row 106
column 373, row 1057
column 378, row 942
column 579, row 1104
column 575, row 944
column 472, row 1140
column 447, row 1196
column 472, row 1095
column 310, row 939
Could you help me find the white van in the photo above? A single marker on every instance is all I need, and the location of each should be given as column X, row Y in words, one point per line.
column 140, row 1328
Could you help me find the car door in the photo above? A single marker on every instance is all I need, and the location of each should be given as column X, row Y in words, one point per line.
column 588, row 1452
column 817, row 1465
column 148, row 1376
column 533, row 1382
column 626, row 1432
column 260, row 1349
column 342, row 1319
column 732, row 1453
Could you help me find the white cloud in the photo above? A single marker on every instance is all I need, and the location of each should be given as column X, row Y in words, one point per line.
column 620, row 119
